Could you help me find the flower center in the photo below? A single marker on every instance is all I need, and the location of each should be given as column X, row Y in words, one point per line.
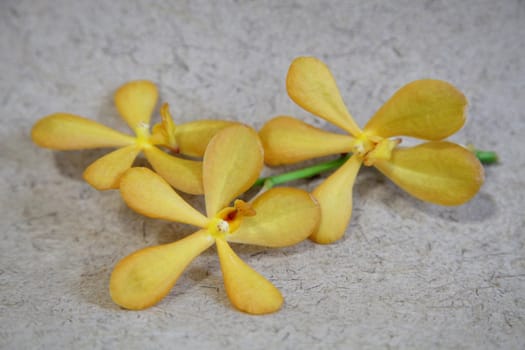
column 228, row 220
column 372, row 148
column 222, row 226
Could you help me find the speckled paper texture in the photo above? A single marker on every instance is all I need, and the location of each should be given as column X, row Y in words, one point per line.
column 406, row 275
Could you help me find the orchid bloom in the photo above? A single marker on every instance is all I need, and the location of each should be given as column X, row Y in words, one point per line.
column 135, row 102
column 436, row 171
column 277, row 218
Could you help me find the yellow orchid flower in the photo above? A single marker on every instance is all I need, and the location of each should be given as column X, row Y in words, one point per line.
column 437, row 171
column 135, row 102
column 277, row 218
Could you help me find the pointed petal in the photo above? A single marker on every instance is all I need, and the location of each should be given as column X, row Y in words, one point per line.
column 183, row 174
column 143, row 278
column 335, row 198
column 150, row 195
column 163, row 133
column 136, row 101
column 105, row 172
column 437, row 172
column 247, row 289
column 63, row 131
column 311, row 85
column 283, row 217
column 427, row 109
column 288, row 140
column 232, row 163
column 193, row 137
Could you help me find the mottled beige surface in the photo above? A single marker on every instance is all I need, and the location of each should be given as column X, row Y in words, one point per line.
column 406, row 274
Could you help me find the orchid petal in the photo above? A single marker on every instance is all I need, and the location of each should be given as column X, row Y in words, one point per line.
column 143, row 278
column 288, row 140
column 63, row 131
column 247, row 289
column 438, row 172
column 150, row 195
column 105, row 172
column 335, row 198
column 163, row 133
column 193, row 137
column 232, row 163
column 183, row 174
column 311, row 85
column 283, row 217
column 426, row 109
column 136, row 101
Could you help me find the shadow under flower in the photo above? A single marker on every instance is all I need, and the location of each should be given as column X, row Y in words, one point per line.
column 72, row 164
column 92, row 286
column 480, row 208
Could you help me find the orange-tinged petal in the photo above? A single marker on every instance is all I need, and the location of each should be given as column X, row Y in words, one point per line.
column 136, row 101
column 105, row 172
column 427, row 109
column 288, row 140
column 193, row 137
column 438, row 172
column 163, row 133
column 311, row 85
column 62, row 131
column 283, row 217
column 150, row 195
column 335, row 198
column 143, row 278
column 247, row 289
column 232, row 163
column 183, row 174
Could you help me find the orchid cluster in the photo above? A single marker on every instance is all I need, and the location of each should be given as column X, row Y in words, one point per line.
column 223, row 159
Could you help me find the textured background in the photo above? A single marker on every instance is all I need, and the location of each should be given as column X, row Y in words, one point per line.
column 406, row 275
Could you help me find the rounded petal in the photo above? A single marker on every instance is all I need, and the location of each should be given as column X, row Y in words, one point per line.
column 136, row 101
column 311, row 85
column 427, row 109
column 143, row 278
column 193, row 137
column 247, row 289
column 335, row 198
column 438, row 172
column 63, row 131
column 183, row 174
column 283, row 216
column 105, row 172
column 232, row 164
column 150, row 195
column 288, row 140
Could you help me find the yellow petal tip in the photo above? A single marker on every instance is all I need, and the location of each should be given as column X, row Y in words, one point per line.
column 136, row 101
column 247, row 290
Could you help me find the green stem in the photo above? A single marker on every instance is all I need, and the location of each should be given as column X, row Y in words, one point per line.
column 270, row 181
column 485, row 157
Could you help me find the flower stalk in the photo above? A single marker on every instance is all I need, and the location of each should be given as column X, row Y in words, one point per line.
column 267, row 182
column 486, row 157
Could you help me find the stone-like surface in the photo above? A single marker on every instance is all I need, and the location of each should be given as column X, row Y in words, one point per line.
column 406, row 274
